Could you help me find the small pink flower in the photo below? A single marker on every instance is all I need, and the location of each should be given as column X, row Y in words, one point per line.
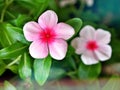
column 93, row 45
column 47, row 36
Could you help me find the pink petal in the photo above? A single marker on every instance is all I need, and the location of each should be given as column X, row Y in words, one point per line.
column 88, row 32
column 48, row 19
column 79, row 44
column 104, row 52
column 89, row 58
column 64, row 31
column 103, row 36
column 38, row 49
column 31, row 31
column 58, row 49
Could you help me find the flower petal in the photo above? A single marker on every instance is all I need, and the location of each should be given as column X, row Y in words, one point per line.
column 79, row 44
column 38, row 49
column 89, row 58
column 103, row 36
column 104, row 52
column 58, row 49
column 64, row 31
column 31, row 31
column 88, row 32
column 89, row 2
column 75, row 42
column 48, row 19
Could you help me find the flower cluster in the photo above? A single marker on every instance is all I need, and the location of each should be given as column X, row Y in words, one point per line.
column 48, row 37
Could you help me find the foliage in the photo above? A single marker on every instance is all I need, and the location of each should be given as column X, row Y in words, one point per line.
column 14, row 54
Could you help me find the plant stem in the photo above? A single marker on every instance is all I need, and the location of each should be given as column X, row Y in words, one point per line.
column 6, row 4
column 16, row 60
column 10, row 14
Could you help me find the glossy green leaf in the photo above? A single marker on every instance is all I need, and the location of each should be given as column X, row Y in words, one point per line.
column 2, row 67
column 76, row 23
column 13, row 64
column 8, row 86
column 21, row 20
column 13, row 68
column 25, row 70
column 10, row 34
column 16, row 33
column 12, row 51
column 5, row 38
column 42, row 69
column 89, row 71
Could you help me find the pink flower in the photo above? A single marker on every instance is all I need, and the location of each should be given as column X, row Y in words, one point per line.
column 93, row 45
column 48, row 36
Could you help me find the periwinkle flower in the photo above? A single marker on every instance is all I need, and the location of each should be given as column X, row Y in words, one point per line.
column 48, row 36
column 93, row 45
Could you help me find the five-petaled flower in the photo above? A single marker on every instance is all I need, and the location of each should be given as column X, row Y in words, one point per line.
column 93, row 45
column 48, row 36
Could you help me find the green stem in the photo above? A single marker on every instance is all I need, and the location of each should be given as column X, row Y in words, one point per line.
column 7, row 3
column 10, row 14
column 16, row 60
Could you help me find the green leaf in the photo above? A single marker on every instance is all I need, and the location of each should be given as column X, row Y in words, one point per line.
column 8, row 86
column 42, row 69
column 2, row 67
column 39, row 10
column 5, row 38
column 71, row 62
column 12, row 51
column 56, row 73
column 70, row 51
column 112, row 84
column 89, row 71
column 40, row 1
column 25, row 66
column 10, row 34
column 76, row 23
column 13, row 68
column 26, row 3
column 21, row 20
column 16, row 33
column 69, row 57
column 39, row 6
